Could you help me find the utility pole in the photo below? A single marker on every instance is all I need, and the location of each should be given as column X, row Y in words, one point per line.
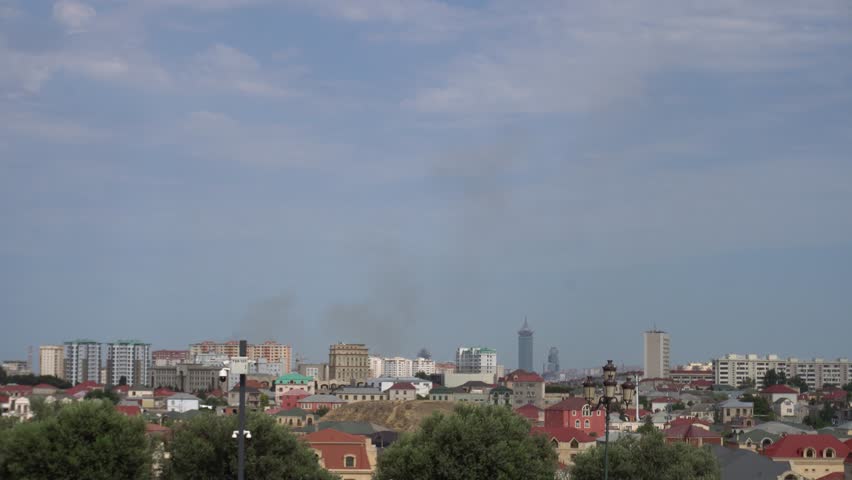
column 241, row 437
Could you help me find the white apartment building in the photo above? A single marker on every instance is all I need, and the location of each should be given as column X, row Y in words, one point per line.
column 476, row 360
column 397, row 367
column 376, row 366
column 657, row 354
column 129, row 360
column 82, row 361
column 51, row 360
column 424, row 365
column 733, row 369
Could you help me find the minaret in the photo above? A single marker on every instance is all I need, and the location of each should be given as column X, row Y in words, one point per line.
column 525, row 348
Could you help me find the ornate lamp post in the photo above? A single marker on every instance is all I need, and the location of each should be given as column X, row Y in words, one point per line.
column 608, row 401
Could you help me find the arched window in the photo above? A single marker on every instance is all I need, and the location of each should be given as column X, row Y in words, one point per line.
column 586, row 424
column 587, row 411
column 576, row 424
column 766, row 442
column 575, row 443
column 748, row 443
column 349, row 461
column 555, row 443
column 809, row 453
column 829, row 453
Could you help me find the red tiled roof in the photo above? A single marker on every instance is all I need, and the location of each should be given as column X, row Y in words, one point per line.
column 701, row 383
column 631, row 414
column 44, row 385
column 402, row 386
column 23, row 389
column 529, row 411
column 336, row 445
column 562, row 434
column 121, row 388
column 523, row 376
column 686, row 431
column 164, row 392
column 833, row 476
column 571, row 403
column 836, row 395
column 793, row 446
column 4, row 398
column 779, row 389
column 688, row 421
column 848, row 443
column 129, row 410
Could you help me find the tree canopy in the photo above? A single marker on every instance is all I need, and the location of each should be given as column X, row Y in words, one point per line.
column 473, row 442
column 107, row 395
column 202, row 448
column 30, row 379
column 82, row 440
column 647, row 458
column 800, row 382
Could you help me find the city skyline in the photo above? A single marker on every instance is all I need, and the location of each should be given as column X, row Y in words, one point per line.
column 398, row 173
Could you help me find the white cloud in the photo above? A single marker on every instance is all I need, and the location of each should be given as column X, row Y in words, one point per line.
column 46, row 128
column 225, row 68
column 73, row 15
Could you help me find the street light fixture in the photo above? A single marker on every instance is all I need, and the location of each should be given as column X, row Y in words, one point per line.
column 608, row 401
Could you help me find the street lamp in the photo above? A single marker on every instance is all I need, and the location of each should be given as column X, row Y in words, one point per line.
column 608, row 401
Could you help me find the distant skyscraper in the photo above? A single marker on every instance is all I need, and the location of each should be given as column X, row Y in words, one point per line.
column 130, row 360
column 82, row 361
column 552, row 365
column 657, row 344
column 51, row 360
column 525, row 348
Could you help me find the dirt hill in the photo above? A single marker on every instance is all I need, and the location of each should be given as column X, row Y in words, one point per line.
column 399, row 416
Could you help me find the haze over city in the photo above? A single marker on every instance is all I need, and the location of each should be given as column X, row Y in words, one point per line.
column 428, row 174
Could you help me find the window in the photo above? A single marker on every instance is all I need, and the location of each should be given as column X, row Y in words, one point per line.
column 587, row 411
column 349, row 461
column 575, row 443
column 809, row 453
column 828, row 453
column 586, row 424
column 576, row 424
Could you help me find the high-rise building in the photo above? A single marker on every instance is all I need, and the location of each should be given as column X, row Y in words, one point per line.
column 657, row 362
column 476, row 360
column 272, row 351
column 425, row 365
column 525, row 348
column 377, row 365
column 130, row 361
column 169, row 358
column 82, row 361
column 349, row 361
column 397, row 367
column 51, row 360
column 552, row 365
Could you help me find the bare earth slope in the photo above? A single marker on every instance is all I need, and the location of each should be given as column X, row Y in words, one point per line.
column 399, row 416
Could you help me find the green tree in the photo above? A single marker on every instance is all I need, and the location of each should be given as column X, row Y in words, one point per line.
column 647, row 426
column 557, row 388
column 422, row 375
column 108, row 395
column 762, row 408
column 203, row 448
column 83, row 440
column 747, row 382
column 321, row 411
column 2, row 376
column 264, row 401
column 771, row 378
column 647, row 458
column 800, row 382
column 474, row 442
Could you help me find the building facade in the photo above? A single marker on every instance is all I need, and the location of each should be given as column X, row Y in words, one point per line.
column 397, row 367
column 657, row 354
column 425, row 365
column 552, row 365
column 272, row 351
column 349, row 361
column 51, row 360
column 169, row 358
column 130, row 361
column 82, row 361
column 734, row 369
column 525, row 348
column 186, row 377
column 476, row 360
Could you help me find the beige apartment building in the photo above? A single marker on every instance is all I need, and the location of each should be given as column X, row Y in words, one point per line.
column 657, row 354
column 734, row 369
column 272, row 351
column 349, row 361
column 51, row 360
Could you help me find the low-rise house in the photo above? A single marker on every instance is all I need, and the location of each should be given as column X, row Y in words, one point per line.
column 21, row 407
column 182, row 402
column 315, row 402
column 291, row 399
column 361, row 394
column 531, row 413
column 737, row 464
column 702, row 411
column 252, row 397
column 422, row 386
column 527, row 388
column 662, row 403
column 782, row 428
column 568, row 441
column 577, row 414
column 736, row 411
column 296, row 417
column 44, row 389
column 352, row 457
column 788, row 409
column 693, row 434
column 14, row 391
column 143, row 393
column 128, row 410
column 293, row 381
column 775, row 392
column 402, row 392
column 755, row 440
column 811, row 456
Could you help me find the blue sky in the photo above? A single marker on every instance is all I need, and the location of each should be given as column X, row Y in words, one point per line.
column 412, row 173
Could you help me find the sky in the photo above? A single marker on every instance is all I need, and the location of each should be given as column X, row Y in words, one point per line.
column 420, row 173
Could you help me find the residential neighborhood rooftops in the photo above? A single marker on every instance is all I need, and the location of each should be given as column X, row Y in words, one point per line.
column 523, row 376
column 738, row 463
column 335, row 446
column 734, row 403
column 571, row 403
column 798, row 446
column 529, row 411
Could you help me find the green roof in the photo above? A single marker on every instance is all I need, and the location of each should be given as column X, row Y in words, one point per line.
column 293, row 378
